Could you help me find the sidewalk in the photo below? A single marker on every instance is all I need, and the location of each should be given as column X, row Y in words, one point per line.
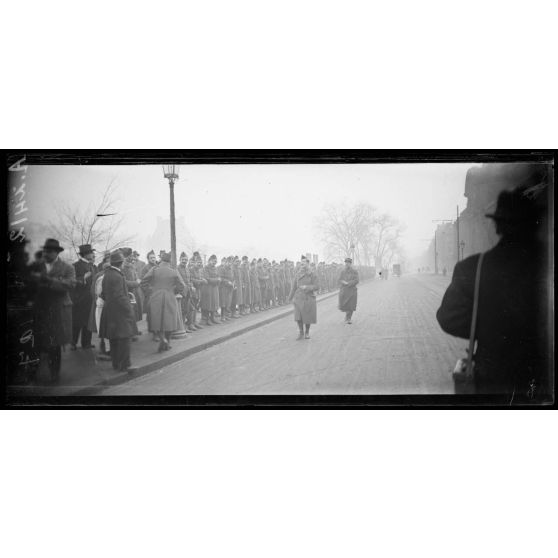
column 83, row 374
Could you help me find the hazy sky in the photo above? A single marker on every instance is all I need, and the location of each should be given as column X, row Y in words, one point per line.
column 269, row 209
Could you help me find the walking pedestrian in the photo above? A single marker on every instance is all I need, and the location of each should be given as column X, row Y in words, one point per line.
column 348, row 281
column 54, row 281
column 81, row 297
column 303, row 292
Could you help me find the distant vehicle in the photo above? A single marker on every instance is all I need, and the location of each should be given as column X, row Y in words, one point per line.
column 397, row 270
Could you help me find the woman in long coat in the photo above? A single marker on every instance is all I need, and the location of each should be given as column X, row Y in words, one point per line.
column 163, row 306
column 348, row 280
column 303, row 290
column 209, row 300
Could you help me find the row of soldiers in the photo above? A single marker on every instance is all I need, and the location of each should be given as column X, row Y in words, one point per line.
column 234, row 288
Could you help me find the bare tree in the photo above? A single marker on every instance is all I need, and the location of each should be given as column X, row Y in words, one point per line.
column 361, row 232
column 97, row 224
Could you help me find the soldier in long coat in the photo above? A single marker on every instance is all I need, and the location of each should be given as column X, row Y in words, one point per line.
column 303, row 293
column 118, row 322
column 245, row 280
column 54, row 280
column 237, row 299
column 262, row 281
column 198, row 281
column 163, row 306
column 209, row 300
column 186, row 304
column 225, row 288
column 81, row 297
column 348, row 281
column 255, row 296
column 133, row 281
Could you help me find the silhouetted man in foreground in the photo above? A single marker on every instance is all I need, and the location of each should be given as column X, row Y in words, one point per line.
column 512, row 325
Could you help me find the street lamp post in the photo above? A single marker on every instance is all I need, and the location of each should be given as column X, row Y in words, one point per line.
column 462, row 244
column 171, row 173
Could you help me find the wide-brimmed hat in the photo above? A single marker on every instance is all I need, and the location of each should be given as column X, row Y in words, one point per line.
column 85, row 249
column 348, row 260
column 126, row 252
column 52, row 244
column 116, row 257
column 165, row 256
column 515, row 206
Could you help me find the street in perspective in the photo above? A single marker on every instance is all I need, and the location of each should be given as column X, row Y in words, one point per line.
column 293, row 279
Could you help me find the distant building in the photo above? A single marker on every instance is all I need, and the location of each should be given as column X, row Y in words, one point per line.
column 482, row 186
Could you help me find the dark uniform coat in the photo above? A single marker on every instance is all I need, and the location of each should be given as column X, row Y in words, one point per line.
column 163, row 306
column 348, row 293
column 53, row 305
column 512, row 322
column 117, row 319
column 209, row 300
column 81, row 295
column 305, row 299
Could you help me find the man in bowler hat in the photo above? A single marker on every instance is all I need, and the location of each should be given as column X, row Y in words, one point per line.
column 117, row 319
column 81, row 297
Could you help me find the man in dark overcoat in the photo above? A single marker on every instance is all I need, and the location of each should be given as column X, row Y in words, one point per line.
column 512, row 357
column 81, row 296
column 54, row 281
column 197, row 282
column 117, row 319
column 348, row 281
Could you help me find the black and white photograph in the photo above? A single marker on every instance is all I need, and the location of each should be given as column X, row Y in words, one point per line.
column 412, row 277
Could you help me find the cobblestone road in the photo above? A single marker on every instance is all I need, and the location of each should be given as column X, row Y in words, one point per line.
column 394, row 346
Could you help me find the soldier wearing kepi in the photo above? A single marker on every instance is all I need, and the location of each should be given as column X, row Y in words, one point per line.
column 81, row 297
column 225, row 288
column 303, row 291
column 348, row 281
column 197, row 282
column 186, row 306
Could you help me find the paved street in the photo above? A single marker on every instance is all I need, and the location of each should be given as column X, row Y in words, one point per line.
column 394, row 346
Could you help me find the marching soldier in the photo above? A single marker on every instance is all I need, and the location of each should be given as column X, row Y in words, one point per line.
column 303, row 294
column 348, row 281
